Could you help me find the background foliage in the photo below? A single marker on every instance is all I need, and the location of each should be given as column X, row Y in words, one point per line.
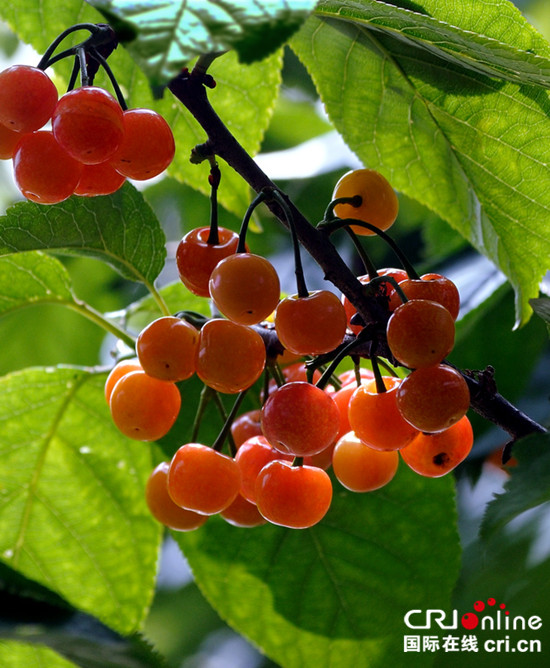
column 452, row 106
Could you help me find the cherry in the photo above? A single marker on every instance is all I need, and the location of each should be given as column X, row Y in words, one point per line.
column 147, row 146
column 434, row 287
column 245, row 288
column 230, row 357
column 43, row 170
column 433, row 398
column 202, row 479
column 243, row 513
column 379, row 202
column 87, row 123
column 245, row 426
column 97, row 180
column 251, row 457
column 120, row 369
column 27, row 98
column 385, row 289
column 311, row 325
column 163, row 509
column 297, row 497
column 196, row 258
column 144, row 408
column 434, row 455
column 167, row 348
column 8, row 142
column 420, row 333
column 360, row 468
column 300, row 419
column 375, row 418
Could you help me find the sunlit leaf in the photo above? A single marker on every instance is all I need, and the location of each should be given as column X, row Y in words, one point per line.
column 120, row 229
column 164, row 37
column 335, row 594
column 466, row 145
column 72, row 510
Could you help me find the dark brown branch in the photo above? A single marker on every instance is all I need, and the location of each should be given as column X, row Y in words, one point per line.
column 190, row 90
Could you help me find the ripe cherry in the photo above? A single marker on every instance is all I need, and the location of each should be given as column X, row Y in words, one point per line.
column 167, row 348
column 245, row 426
column 27, row 98
column 433, row 398
column 144, row 408
column 163, row 509
column 196, row 258
column 360, row 468
column 300, row 419
column 202, row 479
column 87, row 123
column 385, row 289
column 379, row 202
column 147, row 146
column 420, row 333
column 8, row 142
column 311, row 325
column 120, row 369
column 230, row 357
column 251, row 457
column 434, row 287
column 245, row 288
column 97, row 180
column 434, row 455
column 243, row 513
column 43, row 170
column 375, row 418
column 297, row 497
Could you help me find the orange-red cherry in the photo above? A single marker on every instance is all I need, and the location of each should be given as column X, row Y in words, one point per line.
column 163, row 509
column 434, row 455
column 297, row 497
column 245, row 288
column 202, row 479
column 311, row 325
column 196, row 258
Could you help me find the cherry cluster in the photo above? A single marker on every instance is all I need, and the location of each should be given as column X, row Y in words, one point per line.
column 311, row 418
column 93, row 146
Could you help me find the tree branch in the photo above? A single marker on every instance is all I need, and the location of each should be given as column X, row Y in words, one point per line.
column 189, row 89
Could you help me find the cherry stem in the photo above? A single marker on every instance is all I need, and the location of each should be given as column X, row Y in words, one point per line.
column 206, row 395
column 262, row 196
column 301, row 287
column 93, row 28
column 378, row 379
column 344, row 351
column 94, row 53
column 214, row 179
column 74, row 74
column 81, row 55
column 331, row 226
column 357, row 370
column 370, row 268
column 355, row 201
column 225, row 433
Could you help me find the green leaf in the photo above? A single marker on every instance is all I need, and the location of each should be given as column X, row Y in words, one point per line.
column 335, row 594
column 527, row 487
column 465, row 145
column 119, row 229
column 541, row 306
column 164, row 37
column 489, row 38
column 72, row 510
column 16, row 655
column 32, row 278
column 61, row 647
